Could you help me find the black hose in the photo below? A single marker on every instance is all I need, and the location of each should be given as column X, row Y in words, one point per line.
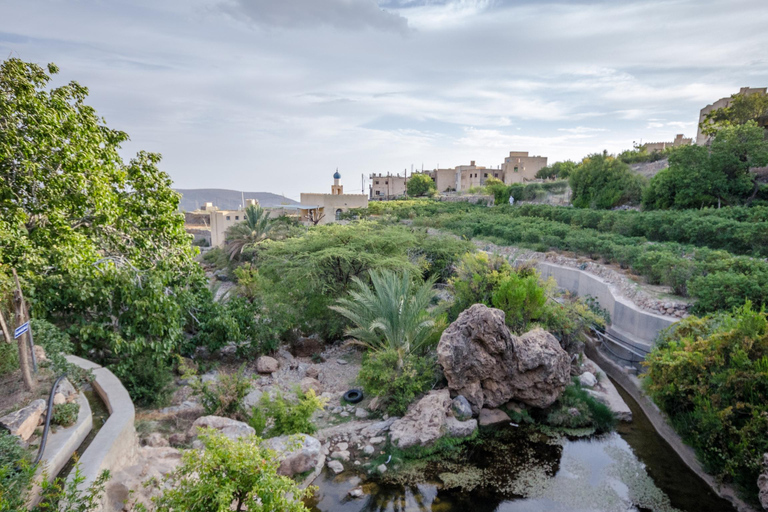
column 48, row 415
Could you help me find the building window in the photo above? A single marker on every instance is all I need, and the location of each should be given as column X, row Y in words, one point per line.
column 485, row 175
column 237, row 217
column 495, row 175
column 386, row 182
column 378, row 192
column 376, row 182
column 338, row 214
column 227, row 217
column 516, row 169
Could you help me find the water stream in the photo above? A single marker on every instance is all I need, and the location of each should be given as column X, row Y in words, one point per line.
column 99, row 413
column 523, row 470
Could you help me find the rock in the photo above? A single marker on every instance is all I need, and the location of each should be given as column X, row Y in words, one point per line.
column 376, row 440
column 313, row 371
column 212, row 376
column 368, row 450
column 228, row 352
column 342, row 446
column 23, row 422
column 342, row 361
column 357, row 492
column 266, row 364
column 252, row 399
column 59, row 399
column 344, row 414
column 307, row 347
column 231, row 428
column 762, row 484
column 40, row 354
column 461, row 408
column 340, row 455
column 308, row 383
column 297, row 454
column 378, row 428
column 374, row 404
column 155, row 440
column 361, row 413
column 492, row 417
column 177, row 439
column 424, row 421
column 588, row 379
column 456, row 428
column 574, row 412
column 489, row 366
column 381, row 468
column 67, row 390
column 336, row 466
column 127, row 485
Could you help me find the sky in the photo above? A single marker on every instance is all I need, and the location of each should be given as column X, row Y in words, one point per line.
column 275, row 95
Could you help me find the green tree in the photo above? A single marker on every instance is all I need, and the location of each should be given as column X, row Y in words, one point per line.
column 604, row 182
column 229, row 475
column 743, row 109
column 392, row 314
column 420, row 185
column 558, row 170
column 253, row 229
column 688, row 182
column 522, row 298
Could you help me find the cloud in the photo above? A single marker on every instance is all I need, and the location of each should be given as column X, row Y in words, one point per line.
column 580, row 130
column 340, row 14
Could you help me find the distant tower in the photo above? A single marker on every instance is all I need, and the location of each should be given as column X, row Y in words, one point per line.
column 337, row 189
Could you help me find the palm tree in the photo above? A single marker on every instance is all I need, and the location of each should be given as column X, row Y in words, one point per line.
column 254, row 228
column 391, row 315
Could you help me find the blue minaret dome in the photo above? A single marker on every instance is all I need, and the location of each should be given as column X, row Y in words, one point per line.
column 336, row 175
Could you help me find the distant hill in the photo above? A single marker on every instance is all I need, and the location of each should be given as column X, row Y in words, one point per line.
column 193, row 198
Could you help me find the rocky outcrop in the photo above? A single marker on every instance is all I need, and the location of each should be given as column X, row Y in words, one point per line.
column 297, row 454
column 127, row 488
column 428, row 420
column 489, row 366
column 266, row 364
column 231, row 428
column 23, row 422
column 490, row 417
column 762, row 484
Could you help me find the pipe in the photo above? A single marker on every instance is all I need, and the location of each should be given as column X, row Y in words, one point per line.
column 48, row 414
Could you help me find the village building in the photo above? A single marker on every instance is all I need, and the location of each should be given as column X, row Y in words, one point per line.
column 326, row 208
column 701, row 138
column 680, row 140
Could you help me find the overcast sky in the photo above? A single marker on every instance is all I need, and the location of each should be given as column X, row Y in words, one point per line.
column 274, row 95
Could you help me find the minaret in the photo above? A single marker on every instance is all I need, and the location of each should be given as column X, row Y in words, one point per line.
column 337, row 189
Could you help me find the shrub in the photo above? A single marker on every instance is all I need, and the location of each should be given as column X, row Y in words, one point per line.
column 146, row 378
column 421, row 185
column 397, row 386
column 240, row 473
column 65, row 414
column 277, row 416
column 9, row 357
column 603, row 182
column 477, row 277
column 578, row 409
column 522, row 298
column 710, row 375
column 224, row 396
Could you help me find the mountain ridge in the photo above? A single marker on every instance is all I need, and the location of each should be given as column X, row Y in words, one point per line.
column 226, row 199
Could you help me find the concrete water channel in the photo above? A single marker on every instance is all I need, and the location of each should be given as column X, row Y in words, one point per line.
column 524, row 470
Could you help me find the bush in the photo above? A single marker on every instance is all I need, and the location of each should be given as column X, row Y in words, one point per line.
column 397, row 387
column 277, row 416
column 603, row 182
column 477, row 277
column 522, row 298
column 224, row 396
column 229, row 472
column 578, row 409
column 65, row 415
column 421, row 185
column 147, row 379
column 710, row 375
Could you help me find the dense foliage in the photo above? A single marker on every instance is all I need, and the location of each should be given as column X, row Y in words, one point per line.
column 742, row 109
column 710, row 375
column 396, row 380
column 277, row 415
column 558, row 170
column 421, row 185
column 601, row 181
column 699, row 176
column 229, row 475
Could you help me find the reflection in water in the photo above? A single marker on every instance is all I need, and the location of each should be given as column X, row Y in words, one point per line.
column 522, row 471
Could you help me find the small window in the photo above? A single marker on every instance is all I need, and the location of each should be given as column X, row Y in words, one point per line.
column 495, row 175
column 485, row 175
column 376, row 182
column 227, row 217
column 516, row 169
column 386, row 182
column 237, row 217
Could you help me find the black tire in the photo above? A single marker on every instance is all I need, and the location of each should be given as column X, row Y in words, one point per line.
column 353, row 396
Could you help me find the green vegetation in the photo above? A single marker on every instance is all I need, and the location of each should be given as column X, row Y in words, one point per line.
column 710, row 375
column 224, row 396
column 742, row 110
column 420, row 185
column 240, row 473
column 522, row 191
column 699, row 176
column 397, row 380
column 254, row 228
column 578, row 409
column 603, row 182
column 640, row 154
column 557, row 171
column 65, row 415
column 277, row 415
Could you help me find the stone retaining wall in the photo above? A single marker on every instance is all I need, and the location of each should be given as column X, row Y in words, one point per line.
column 116, row 445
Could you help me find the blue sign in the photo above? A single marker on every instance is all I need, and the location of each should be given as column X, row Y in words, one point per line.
column 21, row 330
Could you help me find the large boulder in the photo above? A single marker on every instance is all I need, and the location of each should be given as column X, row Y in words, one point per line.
column 424, row 422
column 233, row 429
column 266, row 364
column 23, row 422
column 489, row 366
column 297, row 453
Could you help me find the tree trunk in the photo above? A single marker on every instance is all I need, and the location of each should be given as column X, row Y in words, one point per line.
column 24, row 348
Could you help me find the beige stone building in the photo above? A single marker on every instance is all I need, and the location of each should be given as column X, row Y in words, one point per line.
column 680, row 140
column 388, row 186
column 326, row 208
column 701, row 138
column 519, row 167
column 222, row 220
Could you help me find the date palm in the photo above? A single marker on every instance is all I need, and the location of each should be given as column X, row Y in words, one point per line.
column 391, row 314
column 255, row 227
